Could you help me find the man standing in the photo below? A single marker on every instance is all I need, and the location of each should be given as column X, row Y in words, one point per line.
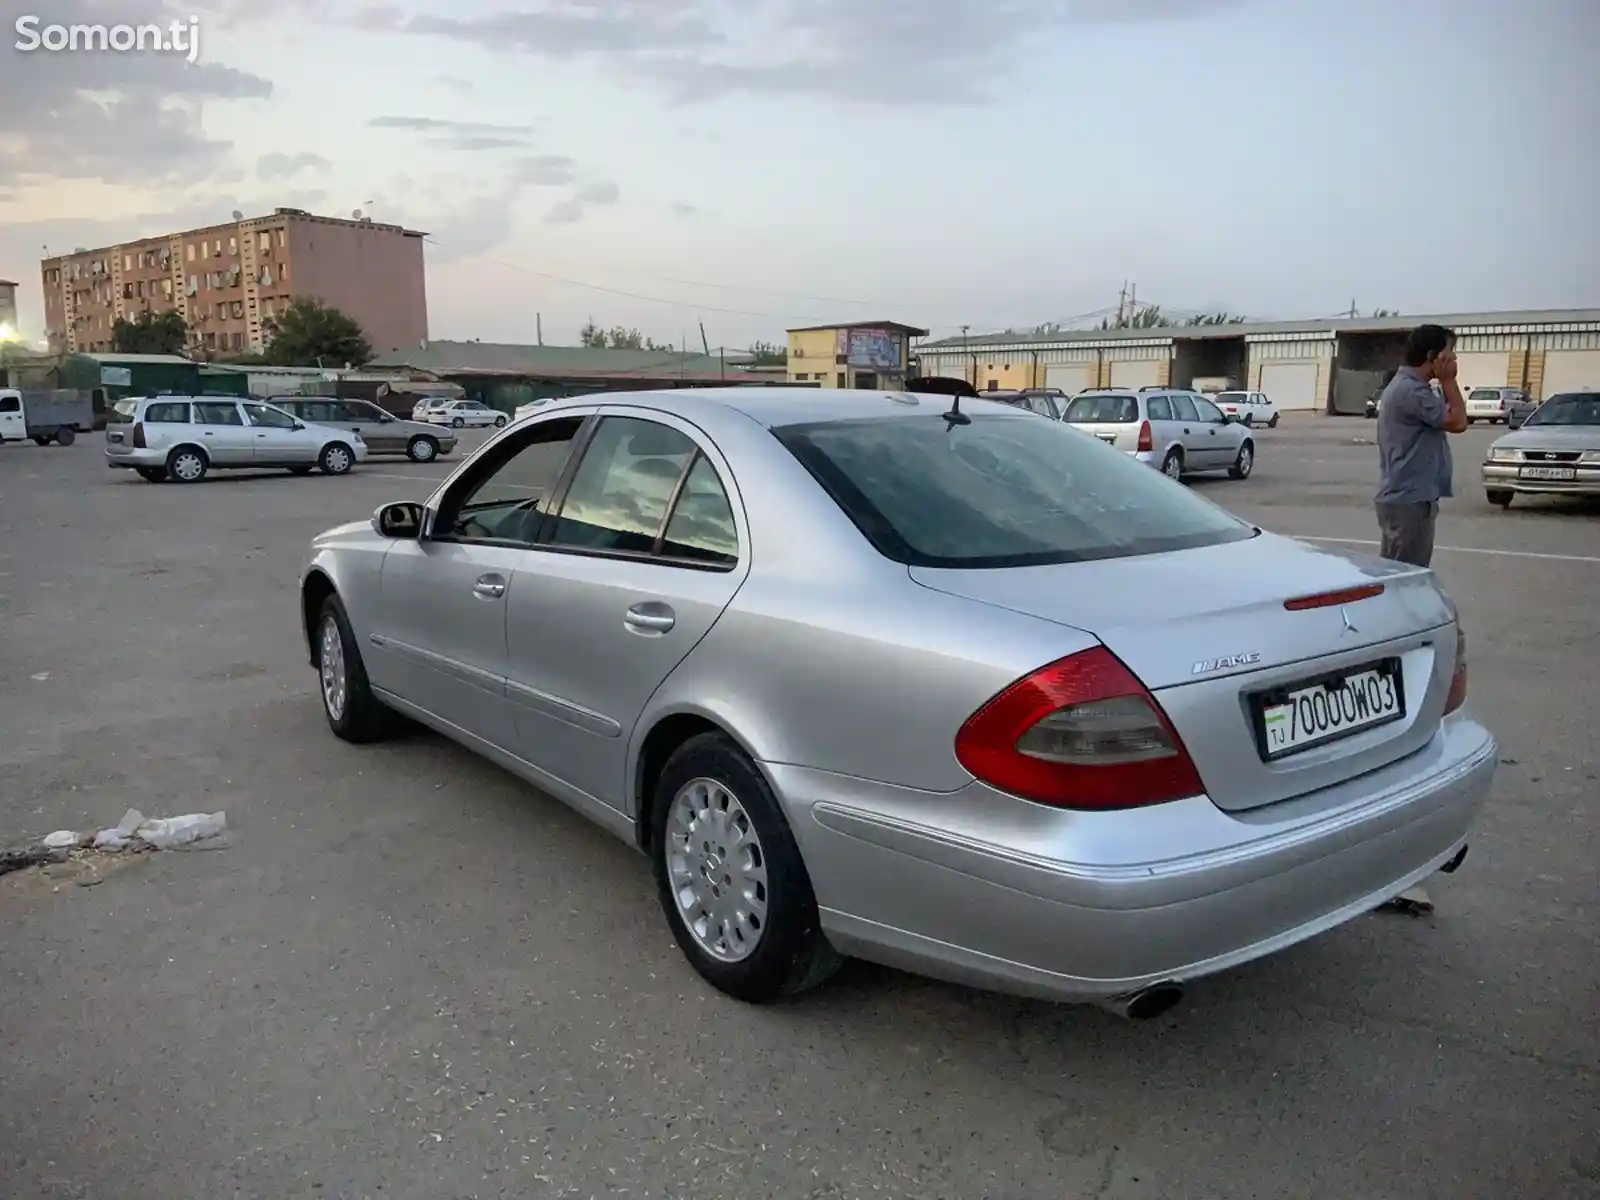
column 1413, row 446
column 1414, row 422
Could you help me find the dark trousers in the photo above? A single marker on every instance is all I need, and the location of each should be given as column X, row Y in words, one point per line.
column 1406, row 531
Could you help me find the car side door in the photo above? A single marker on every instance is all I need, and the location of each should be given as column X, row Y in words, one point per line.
column 439, row 637
column 1191, row 431
column 376, row 427
column 1224, row 437
column 645, row 549
column 223, row 434
column 280, row 440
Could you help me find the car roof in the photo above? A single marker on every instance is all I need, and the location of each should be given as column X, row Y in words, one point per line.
column 777, row 406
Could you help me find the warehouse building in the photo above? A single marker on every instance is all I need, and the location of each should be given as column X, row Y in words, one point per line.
column 1309, row 366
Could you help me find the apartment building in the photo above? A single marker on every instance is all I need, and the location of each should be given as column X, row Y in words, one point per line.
column 227, row 280
column 8, row 309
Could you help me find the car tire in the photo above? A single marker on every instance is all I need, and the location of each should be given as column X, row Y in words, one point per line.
column 1273, row 424
column 1499, row 497
column 299, row 470
column 708, row 789
column 499, row 422
column 66, row 435
column 1244, row 463
column 151, row 474
column 336, row 459
column 422, row 449
column 187, row 464
column 1172, row 464
column 353, row 712
column 40, row 441
column 456, row 422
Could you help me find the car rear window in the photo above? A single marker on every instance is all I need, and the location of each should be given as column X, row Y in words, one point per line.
column 1231, row 398
column 1102, row 410
column 1488, row 394
column 1002, row 491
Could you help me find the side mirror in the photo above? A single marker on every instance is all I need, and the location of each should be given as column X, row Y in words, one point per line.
column 298, row 426
column 384, row 419
column 401, row 519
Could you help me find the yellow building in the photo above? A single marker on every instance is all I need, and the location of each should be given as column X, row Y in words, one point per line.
column 862, row 354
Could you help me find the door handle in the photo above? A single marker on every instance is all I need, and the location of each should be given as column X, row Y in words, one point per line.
column 649, row 618
column 489, row 587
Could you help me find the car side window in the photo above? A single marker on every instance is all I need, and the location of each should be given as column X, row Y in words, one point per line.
column 1207, row 410
column 10, row 404
column 1159, row 408
column 356, row 410
column 701, row 527
column 1183, row 406
column 509, row 501
column 263, row 417
column 623, row 488
column 217, row 414
column 166, row 413
column 317, row 411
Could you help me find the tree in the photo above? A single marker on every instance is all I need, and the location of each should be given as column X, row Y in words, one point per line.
column 311, row 334
column 150, row 333
column 1384, row 312
column 765, row 354
column 1148, row 317
column 618, row 337
column 1220, row 318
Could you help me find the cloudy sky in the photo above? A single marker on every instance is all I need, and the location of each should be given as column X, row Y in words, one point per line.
column 757, row 164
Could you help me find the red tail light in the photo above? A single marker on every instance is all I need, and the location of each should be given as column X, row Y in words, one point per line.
column 138, row 435
column 1329, row 599
column 1081, row 733
column 1458, row 681
column 1147, row 442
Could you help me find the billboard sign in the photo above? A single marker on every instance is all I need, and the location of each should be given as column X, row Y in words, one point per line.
column 874, row 349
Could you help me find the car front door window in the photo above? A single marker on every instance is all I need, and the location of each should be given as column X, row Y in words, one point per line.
column 1208, row 411
column 263, row 417
column 508, row 502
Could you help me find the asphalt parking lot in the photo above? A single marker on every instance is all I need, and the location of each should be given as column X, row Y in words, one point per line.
column 412, row 976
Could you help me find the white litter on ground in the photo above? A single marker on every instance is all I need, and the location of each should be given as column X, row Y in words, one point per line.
column 137, row 832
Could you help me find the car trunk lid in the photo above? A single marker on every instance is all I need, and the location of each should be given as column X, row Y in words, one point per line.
column 1208, row 631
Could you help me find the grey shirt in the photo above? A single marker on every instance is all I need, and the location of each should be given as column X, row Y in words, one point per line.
column 1413, row 448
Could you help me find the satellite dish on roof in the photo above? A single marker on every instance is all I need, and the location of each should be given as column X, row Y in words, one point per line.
column 356, row 213
column 237, row 215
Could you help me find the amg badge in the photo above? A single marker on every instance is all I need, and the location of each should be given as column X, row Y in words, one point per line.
column 1226, row 663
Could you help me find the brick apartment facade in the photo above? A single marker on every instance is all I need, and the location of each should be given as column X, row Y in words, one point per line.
column 227, row 279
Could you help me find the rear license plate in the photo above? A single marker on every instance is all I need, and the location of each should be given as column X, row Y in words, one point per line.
column 1548, row 473
column 1297, row 718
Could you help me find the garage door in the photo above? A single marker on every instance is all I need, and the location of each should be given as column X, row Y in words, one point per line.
column 1477, row 370
column 1292, row 386
column 1570, row 371
column 1071, row 378
column 1135, row 374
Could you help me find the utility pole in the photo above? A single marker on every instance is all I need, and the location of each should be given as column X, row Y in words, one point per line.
column 1133, row 302
column 1122, row 305
column 538, row 327
column 973, row 367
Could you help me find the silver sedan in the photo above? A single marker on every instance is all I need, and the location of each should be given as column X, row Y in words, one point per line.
column 1554, row 452
column 925, row 681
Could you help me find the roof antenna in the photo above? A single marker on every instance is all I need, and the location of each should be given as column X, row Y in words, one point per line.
column 955, row 416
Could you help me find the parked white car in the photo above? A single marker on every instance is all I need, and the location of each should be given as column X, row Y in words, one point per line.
column 465, row 413
column 183, row 438
column 422, row 408
column 1248, row 408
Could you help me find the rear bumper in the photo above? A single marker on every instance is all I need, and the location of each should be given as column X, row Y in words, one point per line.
column 985, row 889
column 129, row 457
column 1506, row 477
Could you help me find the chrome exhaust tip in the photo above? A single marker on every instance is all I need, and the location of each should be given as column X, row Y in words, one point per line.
column 1147, row 1003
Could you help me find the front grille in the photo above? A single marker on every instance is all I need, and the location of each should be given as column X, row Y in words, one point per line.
column 1551, row 456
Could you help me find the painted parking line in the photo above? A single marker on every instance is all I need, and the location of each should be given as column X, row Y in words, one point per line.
column 1574, row 558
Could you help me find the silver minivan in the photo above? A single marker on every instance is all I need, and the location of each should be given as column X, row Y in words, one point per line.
column 1179, row 433
column 383, row 432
